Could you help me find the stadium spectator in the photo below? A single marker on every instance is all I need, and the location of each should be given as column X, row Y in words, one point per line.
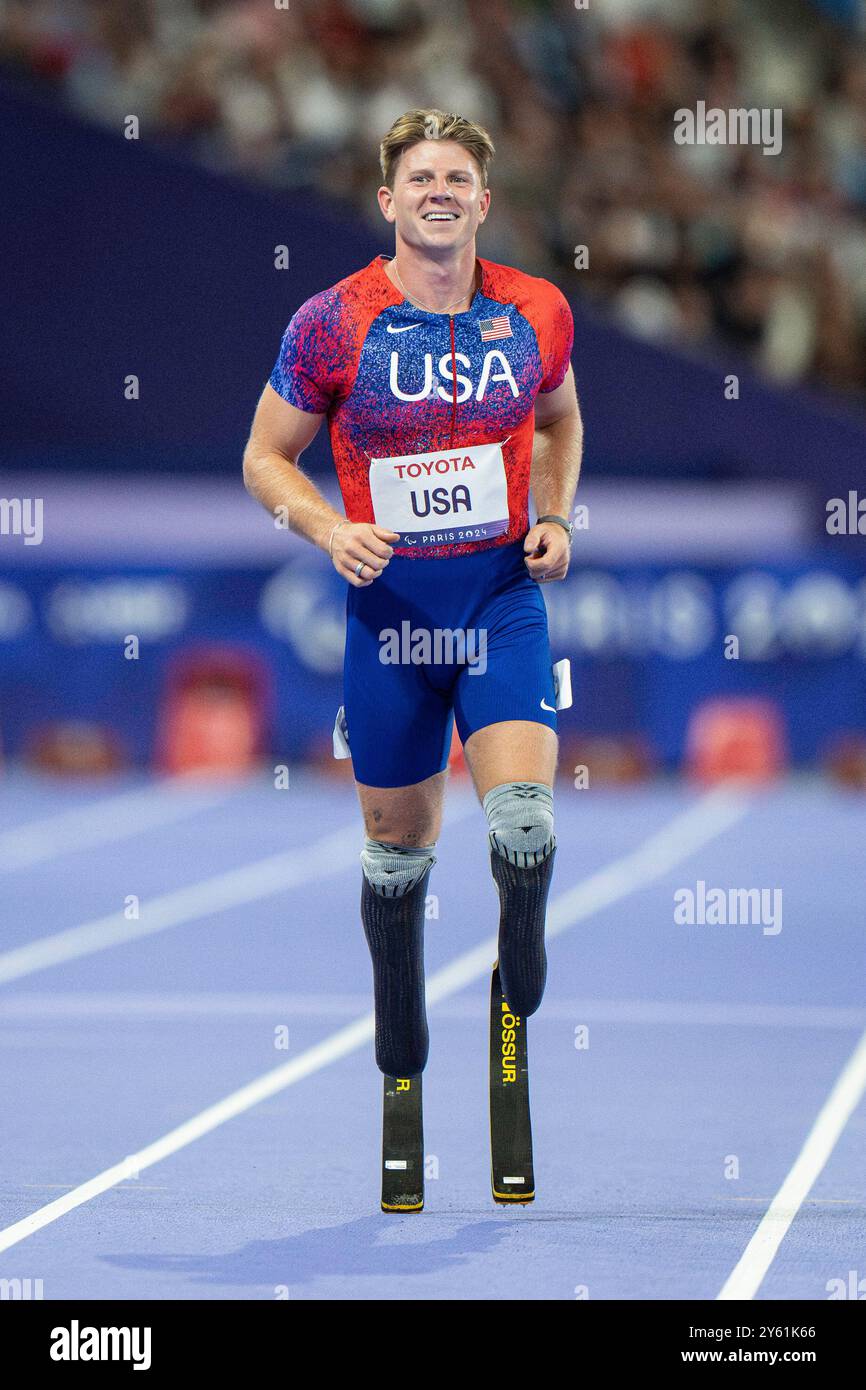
column 706, row 245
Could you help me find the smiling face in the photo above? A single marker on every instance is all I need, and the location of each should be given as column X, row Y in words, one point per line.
column 437, row 202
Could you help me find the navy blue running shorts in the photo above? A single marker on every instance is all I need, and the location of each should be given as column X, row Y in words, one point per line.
column 434, row 640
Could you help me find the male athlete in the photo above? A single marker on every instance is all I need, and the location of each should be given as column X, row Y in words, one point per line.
column 447, row 387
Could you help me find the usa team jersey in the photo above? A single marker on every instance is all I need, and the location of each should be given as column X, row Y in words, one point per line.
column 431, row 418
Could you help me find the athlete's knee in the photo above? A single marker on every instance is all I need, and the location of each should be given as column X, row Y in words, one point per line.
column 520, row 817
column 522, row 848
column 392, row 870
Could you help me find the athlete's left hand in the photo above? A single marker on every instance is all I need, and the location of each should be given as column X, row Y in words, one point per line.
column 547, row 551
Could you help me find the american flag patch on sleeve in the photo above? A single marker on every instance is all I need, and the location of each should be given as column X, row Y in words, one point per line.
column 491, row 329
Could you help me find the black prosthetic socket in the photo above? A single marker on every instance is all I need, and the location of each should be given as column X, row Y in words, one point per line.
column 394, row 928
column 522, row 905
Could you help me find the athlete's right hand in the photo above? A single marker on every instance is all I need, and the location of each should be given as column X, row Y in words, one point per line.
column 362, row 543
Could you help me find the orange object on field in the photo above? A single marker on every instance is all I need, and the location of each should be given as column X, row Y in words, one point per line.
column 213, row 715
column 456, row 759
column 845, row 760
column 592, row 760
column 74, row 747
column 736, row 738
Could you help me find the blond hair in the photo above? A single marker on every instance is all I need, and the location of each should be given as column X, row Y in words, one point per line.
column 430, row 124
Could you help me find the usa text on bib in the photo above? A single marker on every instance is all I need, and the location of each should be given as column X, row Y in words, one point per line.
column 446, row 498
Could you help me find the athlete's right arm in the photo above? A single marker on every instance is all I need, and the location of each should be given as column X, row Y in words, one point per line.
column 279, row 435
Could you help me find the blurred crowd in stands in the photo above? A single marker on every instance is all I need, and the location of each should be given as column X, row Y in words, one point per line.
column 705, row 246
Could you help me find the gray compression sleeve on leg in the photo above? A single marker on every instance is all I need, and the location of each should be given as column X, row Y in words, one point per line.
column 393, row 897
column 520, row 816
column 522, row 851
column 393, row 869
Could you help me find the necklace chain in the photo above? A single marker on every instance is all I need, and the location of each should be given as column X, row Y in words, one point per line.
column 420, row 302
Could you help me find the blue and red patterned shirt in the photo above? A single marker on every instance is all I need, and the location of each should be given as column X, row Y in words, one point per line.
column 410, row 396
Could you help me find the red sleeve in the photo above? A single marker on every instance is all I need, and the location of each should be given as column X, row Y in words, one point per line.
column 554, row 328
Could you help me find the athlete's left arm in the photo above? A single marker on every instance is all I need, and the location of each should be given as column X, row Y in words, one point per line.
column 556, row 455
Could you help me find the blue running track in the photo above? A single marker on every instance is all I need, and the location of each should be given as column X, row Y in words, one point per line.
column 677, row 1070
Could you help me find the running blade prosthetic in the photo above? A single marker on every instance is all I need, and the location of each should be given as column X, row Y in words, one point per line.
column 402, row 1145
column 512, row 1176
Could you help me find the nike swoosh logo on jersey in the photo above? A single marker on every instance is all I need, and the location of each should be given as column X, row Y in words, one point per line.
column 407, row 329
column 545, row 705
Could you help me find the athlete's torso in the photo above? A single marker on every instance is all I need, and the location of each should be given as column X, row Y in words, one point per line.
column 413, row 397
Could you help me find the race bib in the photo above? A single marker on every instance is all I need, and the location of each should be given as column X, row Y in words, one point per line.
column 447, row 498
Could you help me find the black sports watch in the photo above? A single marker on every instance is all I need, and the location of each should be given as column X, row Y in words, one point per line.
column 560, row 521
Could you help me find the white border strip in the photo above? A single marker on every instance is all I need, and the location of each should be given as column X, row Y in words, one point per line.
column 702, row 822
column 747, row 1275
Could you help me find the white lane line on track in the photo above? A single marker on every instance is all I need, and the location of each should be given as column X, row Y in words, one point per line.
column 688, row 831
column 748, row 1274
column 330, row 855
column 709, row 817
column 105, row 821
column 109, row 1005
